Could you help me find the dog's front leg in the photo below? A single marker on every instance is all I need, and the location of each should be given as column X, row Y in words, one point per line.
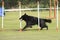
column 24, row 28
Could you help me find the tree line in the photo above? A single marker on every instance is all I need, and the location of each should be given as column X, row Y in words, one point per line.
column 28, row 3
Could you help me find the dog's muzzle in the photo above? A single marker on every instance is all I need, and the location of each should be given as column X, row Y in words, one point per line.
column 20, row 19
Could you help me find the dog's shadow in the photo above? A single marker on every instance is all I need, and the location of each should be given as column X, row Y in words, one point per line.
column 31, row 30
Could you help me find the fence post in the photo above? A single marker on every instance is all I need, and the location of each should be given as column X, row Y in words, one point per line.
column 2, row 12
column 20, row 14
column 57, row 16
column 50, row 11
column 55, row 4
column 38, row 15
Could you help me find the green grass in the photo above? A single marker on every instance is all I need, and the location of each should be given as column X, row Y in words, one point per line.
column 11, row 27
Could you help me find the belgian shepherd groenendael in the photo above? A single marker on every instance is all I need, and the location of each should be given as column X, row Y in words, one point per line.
column 30, row 20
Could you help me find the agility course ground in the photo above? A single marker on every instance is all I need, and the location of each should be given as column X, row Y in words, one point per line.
column 11, row 27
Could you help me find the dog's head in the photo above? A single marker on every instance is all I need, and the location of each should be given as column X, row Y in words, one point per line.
column 23, row 17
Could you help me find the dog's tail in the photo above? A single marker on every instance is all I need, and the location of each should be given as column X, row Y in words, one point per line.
column 48, row 20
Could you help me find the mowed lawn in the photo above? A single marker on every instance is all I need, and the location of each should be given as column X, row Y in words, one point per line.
column 12, row 25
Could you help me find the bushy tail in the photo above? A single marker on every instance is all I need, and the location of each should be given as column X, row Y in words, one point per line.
column 48, row 20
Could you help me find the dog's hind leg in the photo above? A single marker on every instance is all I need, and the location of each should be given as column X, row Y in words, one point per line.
column 41, row 28
column 46, row 27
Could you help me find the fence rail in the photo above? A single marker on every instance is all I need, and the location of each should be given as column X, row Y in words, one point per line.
column 28, row 9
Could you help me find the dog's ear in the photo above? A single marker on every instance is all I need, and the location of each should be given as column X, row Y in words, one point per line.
column 25, row 14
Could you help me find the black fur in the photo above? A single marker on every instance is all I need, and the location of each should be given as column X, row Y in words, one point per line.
column 30, row 20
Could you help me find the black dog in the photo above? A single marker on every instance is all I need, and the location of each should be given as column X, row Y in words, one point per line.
column 30, row 20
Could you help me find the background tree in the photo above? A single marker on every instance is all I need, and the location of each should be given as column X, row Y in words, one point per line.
column 0, row 3
column 28, row 3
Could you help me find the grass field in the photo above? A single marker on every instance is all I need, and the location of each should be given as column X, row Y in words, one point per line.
column 11, row 27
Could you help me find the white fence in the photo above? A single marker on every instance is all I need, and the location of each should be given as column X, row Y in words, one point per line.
column 32, row 9
column 28, row 9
